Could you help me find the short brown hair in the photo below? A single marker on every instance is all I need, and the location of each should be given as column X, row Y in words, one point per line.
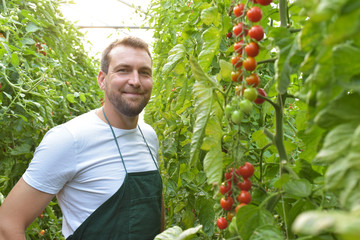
column 129, row 41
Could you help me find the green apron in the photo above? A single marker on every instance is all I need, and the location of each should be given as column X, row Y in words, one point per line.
column 133, row 212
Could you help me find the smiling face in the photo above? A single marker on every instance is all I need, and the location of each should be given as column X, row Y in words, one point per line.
column 128, row 83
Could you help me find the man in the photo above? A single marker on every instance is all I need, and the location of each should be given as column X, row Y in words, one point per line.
column 101, row 165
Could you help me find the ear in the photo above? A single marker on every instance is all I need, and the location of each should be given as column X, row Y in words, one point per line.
column 101, row 79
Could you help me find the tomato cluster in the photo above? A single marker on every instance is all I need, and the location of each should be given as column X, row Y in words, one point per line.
column 236, row 191
column 246, row 34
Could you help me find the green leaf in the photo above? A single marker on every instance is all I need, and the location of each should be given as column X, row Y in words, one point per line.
column 344, row 109
column 336, row 144
column 211, row 43
column 298, row 187
column 260, row 139
column 250, row 217
column 203, row 95
column 288, row 49
column 347, row 59
column 14, row 60
column 213, row 164
column 225, row 70
column 177, row 233
column 176, row 55
column 206, row 214
column 82, row 97
column 70, row 98
column 21, row 149
column 341, row 223
column 32, row 27
column 209, row 15
column 267, row 232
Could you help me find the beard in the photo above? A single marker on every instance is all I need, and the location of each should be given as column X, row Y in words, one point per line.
column 127, row 106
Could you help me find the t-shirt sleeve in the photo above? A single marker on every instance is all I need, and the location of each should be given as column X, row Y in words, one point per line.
column 54, row 161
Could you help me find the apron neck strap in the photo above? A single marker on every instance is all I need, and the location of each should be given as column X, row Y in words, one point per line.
column 117, row 144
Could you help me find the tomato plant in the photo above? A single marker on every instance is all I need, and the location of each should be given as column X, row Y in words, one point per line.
column 294, row 140
column 249, row 64
column 253, row 80
column 239, row 9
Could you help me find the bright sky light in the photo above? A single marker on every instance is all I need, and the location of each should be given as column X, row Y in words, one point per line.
column 96, row 19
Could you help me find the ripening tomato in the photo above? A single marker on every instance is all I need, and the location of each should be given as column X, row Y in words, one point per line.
column 237, row 76
column 226, row 203
column 229, row 215
column 254, row 14
column 239, row 29
column 262, row 93
column 238, row 46
column 250, row 94
column 252, row 49
column 245, row 185
column 249, row 64
column 253, row 80
column 239, row 90
column 264, row 2
column 256, row 32
column 221, row 223
column 229, row 174
column 236, row 61
column 239, row 10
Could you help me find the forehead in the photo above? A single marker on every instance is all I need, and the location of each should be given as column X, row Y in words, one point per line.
column 123, row 55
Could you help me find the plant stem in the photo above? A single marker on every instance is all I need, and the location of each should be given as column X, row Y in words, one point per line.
column 283, row 13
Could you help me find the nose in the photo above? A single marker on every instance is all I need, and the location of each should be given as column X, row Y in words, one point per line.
column 134, row 79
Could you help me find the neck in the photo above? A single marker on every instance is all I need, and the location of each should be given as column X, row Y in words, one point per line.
column 117, row 119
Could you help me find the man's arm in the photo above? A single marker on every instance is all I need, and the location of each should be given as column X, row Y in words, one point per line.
column 23, row 204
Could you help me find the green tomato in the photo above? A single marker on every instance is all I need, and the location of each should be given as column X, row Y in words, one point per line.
column 250, row 94
column 228, row 110
column 245, row 106
column 237, row 116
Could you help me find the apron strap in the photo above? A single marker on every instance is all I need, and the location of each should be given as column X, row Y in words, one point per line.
column 117, row 144
column 156, row 165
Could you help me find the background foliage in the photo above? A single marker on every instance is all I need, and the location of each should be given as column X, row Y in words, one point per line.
column 46, row 78
column 303, row 141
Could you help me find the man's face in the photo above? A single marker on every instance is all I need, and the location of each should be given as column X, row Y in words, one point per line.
column 128, row 83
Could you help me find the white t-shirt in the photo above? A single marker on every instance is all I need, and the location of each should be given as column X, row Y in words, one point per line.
column 80, row 163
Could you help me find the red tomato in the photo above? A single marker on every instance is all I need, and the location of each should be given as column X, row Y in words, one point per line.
column 239, row 28
column 256, row 32
column 225, row 187
column 245, row 185
column 264, row 2
column 239, row 10
column 228, row 175
column 238, row 47
column 247, row 170
column 226, row 203
column 252, row 49
column 221, row 223
column 254, row 14
column 253, row 80
column 236, row 61
column 229, row 35
column 249, row 64
column 244, row 197
column 262, row 93
column 237, row 76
